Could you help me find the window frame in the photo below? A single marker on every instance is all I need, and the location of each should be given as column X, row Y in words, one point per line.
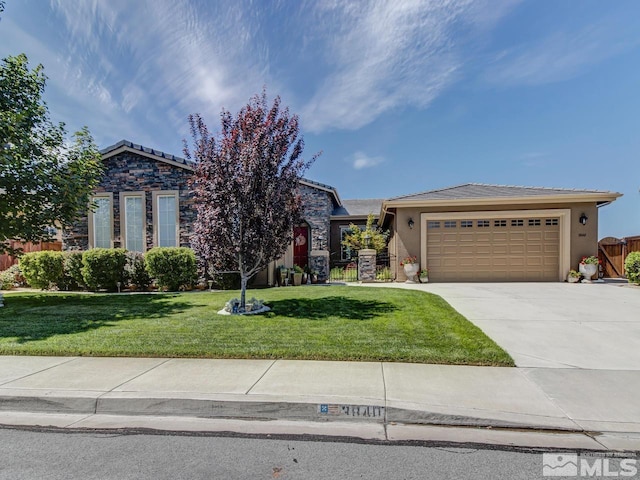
column 123, row 217
column 91, row 219
column 156, row 214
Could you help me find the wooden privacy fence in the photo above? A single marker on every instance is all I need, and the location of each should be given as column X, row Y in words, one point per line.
column 612, row 253
column 7, row 260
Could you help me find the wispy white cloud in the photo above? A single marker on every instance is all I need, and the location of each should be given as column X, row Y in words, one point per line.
column 563, row 55
column 385, row 55
column 360, row 160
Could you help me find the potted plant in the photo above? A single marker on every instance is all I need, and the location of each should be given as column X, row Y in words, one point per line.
column 424, row 276
column 573, row 276
column 589, row 267
column 283, row 276
column 411, row 268
column 297, row 275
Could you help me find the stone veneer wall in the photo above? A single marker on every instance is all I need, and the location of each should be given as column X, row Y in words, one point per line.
column 317, row 212
column 130, row 172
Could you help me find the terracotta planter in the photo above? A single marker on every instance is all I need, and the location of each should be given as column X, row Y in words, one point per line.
column 411, row 271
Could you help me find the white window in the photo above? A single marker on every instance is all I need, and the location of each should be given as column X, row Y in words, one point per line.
column 466, row 224
column 132, row 221
column 433, row 224
column 166, row 218
column 102, row 223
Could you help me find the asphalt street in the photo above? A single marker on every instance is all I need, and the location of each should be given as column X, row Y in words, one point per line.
column 26, row 454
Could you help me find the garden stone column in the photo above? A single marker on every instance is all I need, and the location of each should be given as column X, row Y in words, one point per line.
column 319, row 262
column 367, row 265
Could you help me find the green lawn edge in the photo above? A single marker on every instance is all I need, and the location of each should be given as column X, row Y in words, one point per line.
column 346, row 323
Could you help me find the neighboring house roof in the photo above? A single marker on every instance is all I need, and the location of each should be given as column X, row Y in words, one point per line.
column 484, row 194
column 361, row 207
column 128, row 146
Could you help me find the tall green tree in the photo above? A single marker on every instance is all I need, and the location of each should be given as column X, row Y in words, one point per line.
column 45, row 180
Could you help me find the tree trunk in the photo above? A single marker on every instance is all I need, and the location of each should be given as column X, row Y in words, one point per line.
column 243, row 290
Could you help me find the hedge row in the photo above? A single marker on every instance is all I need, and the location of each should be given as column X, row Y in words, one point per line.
column 171, row 268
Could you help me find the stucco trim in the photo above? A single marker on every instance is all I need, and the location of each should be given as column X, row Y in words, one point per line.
column 563, row 214
column 569, row 198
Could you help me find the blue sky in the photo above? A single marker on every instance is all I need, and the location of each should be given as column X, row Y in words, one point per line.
column 401, row 96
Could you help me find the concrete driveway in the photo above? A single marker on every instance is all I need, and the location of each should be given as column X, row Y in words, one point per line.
column 554, row 325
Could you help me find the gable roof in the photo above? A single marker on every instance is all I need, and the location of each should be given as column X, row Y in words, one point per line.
column 486, row 194
column 127, row 146
column 159, row 155
column 483, row 190
column 360, row 207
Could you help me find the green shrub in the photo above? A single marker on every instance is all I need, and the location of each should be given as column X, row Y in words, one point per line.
column 43, row 269
column 72, row 275
column 137, row 273
column 12, row 277
column 172, row 267
column 103, row 268
column 632, row 267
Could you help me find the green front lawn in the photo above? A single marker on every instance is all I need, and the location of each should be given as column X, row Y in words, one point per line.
column 320, row 323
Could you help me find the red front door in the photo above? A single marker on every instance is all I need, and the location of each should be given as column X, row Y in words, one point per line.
column 301, row 246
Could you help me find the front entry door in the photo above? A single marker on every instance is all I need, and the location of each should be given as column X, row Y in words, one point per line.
column 301, row 246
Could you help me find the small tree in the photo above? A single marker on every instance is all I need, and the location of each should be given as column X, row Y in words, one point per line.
column 44, row 182
column 246, row 188
column 371, row 237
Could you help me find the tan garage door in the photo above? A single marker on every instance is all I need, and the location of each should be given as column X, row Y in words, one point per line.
column 475, row 250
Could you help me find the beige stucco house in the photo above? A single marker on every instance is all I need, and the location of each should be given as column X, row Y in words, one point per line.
column 478, row 232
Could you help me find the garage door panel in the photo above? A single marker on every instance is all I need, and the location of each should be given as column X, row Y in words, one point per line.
column 521, row 250
column 500, row 249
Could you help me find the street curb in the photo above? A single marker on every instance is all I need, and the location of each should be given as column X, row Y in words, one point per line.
column 210, row 407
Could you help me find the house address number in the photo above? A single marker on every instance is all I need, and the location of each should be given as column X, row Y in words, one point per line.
column 372, row 411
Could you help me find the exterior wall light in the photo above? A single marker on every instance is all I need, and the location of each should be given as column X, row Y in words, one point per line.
column 583, row 219
column 411, row 223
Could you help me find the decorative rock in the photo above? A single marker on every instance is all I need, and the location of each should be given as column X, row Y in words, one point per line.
column 252, row 312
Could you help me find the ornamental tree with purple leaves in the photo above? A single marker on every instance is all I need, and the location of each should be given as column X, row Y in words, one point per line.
column 246, row 188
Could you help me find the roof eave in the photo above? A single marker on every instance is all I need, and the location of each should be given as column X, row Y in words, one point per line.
column 126, row 148
column 605, row 197
column 327, row 189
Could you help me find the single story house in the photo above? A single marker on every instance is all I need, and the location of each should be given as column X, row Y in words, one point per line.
column 470, row 232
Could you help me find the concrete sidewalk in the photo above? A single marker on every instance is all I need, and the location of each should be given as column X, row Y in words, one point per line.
column 569, row 408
